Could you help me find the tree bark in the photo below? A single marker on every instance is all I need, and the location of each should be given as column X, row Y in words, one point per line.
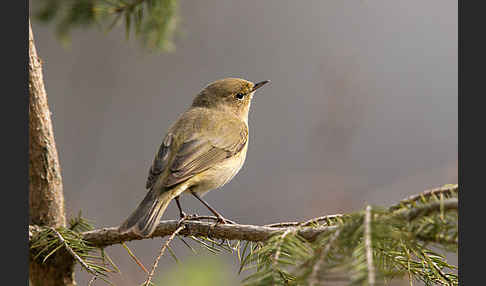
column 46, row 199
column 110, row 235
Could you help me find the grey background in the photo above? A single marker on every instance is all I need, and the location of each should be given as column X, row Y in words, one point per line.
column 362, row 109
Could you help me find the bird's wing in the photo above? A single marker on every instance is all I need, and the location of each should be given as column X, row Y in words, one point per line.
column 205, row 147
column 160, row 161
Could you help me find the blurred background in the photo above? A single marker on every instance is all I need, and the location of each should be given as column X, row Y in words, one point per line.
column 362, row 109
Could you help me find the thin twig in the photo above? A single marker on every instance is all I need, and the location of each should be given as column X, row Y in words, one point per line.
column 162, row 250
column 277, row 253
column 324, row 251
column 447, row 190
column 449, row 204
column 69, row 249
column 305, row 223
column 130, row 253
column 434, row 266
column 368, row 246
column 409, row 259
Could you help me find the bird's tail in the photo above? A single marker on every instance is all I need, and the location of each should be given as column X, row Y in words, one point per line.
column 145, row 218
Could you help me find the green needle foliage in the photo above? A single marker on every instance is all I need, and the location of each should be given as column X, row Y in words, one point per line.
column 152, row 21
column 400, row 242
column 369, row 247
column 46, row 243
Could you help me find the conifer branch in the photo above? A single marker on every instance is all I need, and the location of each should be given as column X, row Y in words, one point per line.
column 372, row 245
column 110, row 235
column 279, row 249
column 128, row 6
column 153, row 21
column 321, row 255
column 71, row 251
column 447, row 191
column 424, row 210
column 328, row 219
column 369, row 247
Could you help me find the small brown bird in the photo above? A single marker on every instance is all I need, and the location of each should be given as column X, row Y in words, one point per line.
column 202, row 151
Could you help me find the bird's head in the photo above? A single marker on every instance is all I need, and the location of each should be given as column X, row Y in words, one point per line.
column 231, row 94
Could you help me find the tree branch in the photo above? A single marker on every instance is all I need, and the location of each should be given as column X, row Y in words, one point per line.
column 449, row 204
column 309, row 230
column 109, row 236
column 71, row 251
column 46, row 199
column 444, row 191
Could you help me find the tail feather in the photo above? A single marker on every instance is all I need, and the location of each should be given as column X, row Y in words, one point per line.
column 145, row 218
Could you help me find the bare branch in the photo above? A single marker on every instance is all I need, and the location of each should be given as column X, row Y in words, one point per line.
column 162, row 250
column 109, row 236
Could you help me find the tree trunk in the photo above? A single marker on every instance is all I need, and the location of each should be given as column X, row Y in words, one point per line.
column 46, row 199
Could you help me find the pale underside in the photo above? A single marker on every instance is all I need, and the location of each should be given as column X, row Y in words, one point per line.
column 202, row 151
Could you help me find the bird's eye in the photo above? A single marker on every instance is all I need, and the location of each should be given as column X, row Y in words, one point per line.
column 240, row 95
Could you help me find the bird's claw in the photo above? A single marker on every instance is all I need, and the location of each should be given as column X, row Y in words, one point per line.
column 222, row 220
column 183, row 215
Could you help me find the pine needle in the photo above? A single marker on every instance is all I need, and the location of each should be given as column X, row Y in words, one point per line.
column 130, row 253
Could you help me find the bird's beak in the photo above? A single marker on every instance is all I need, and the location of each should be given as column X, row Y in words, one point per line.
column 259, row 84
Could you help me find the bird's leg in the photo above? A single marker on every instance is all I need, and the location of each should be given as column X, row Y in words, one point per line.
column 221, row 219
column 181, row 213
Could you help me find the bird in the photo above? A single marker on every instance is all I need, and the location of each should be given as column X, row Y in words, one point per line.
column 201, row 151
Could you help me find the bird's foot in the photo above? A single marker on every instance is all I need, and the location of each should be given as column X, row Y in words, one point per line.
column 222, row 220
column 182, row 215
column 193, row 216
column 219, row 220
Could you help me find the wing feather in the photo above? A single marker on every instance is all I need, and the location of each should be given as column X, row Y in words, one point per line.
column 205, row 147
column 160, row 161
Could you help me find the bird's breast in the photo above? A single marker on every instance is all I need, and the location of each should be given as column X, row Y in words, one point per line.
column 220, row 174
